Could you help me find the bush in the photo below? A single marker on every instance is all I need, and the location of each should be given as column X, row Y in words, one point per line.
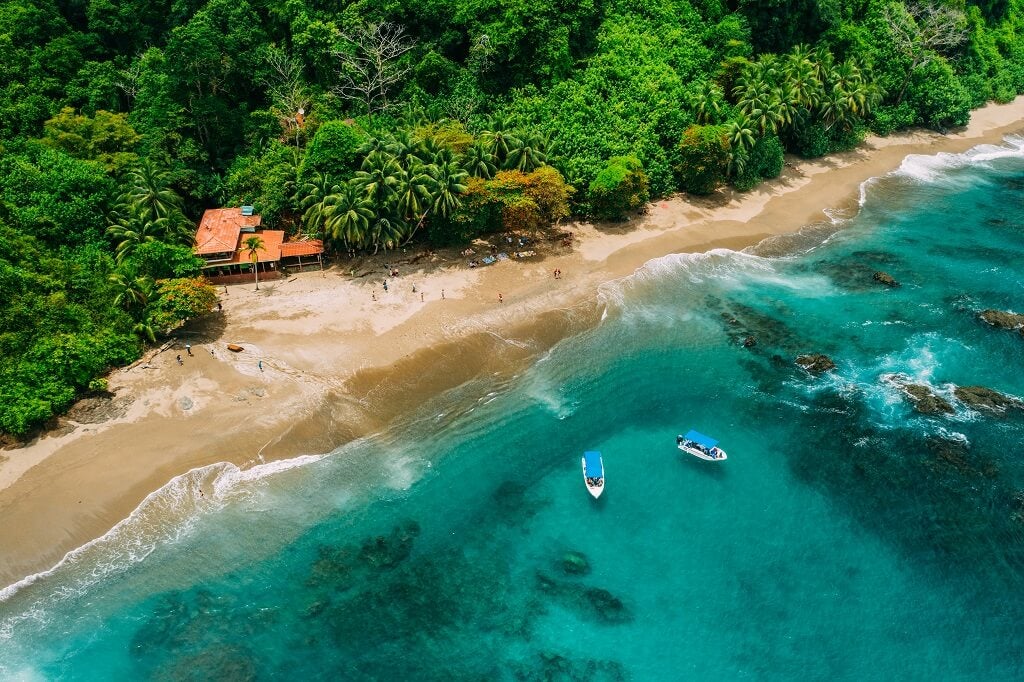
column 811, row 141
column 764, row 161
column 179, row 300
column 939, row 98
column 333, row 150
column 620, row 187
column 889, row 119
column 704, row 159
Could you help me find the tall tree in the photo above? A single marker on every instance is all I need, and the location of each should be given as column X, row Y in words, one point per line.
column 370, row 64
column 921, row 31
column 251, row 247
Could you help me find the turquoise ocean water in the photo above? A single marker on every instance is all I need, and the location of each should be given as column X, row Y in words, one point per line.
column 847, row 537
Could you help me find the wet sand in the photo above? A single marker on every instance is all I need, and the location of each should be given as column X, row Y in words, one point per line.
column 338, row 364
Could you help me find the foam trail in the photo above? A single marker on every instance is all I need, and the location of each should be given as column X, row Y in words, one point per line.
column 164, row 516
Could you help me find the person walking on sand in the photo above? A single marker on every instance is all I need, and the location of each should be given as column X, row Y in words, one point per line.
column 500, row 299
column 179, row 359
column 421, row 297
column 442, row 294
column 261, row 365
column 385, row 286
column 220, row 307
column 188, row 349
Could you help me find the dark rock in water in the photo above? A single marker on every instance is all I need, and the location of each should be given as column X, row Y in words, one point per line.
column 216, row 662
column 925, row 401
column 1003, row 319
column 816, row 363
column 981, row 398
column 554, row 667
column 387, row 552
column 575, row 563
column 956, row 454
column 606, row 606
column 885, row 278
column 749, row 342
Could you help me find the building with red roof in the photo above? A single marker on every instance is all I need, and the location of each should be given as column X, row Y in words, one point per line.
column 220, row 242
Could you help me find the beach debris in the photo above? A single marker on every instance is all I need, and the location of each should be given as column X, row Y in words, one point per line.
column 575, row 563
column 816, row 363
column 749, row 342
column 885, row 278
column 981, row 398
column 235, row 348
column 185, row 403
column 1003, row 319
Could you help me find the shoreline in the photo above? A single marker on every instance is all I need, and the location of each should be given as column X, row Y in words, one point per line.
column 342, row 359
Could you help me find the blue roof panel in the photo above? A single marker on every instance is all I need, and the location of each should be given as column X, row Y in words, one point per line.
column 706, row 441
column 593, row 464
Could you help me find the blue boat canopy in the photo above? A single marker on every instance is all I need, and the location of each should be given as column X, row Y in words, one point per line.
column 700, row 438
column 593, row 464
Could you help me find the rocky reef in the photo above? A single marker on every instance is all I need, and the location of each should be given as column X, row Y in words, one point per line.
column 816, row 363
column 885, row 278
column 1002, row 319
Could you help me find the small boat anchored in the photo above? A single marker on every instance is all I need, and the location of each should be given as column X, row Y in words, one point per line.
column 593, row 473
column 699, row 445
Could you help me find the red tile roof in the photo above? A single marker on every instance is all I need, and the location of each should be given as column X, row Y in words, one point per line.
column 271, row 250
column 220, row 228
column 309, row 247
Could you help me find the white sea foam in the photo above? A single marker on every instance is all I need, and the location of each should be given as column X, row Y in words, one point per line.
column 164, row 516
column 933, row 167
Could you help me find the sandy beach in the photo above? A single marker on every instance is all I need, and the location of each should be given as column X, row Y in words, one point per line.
column 331, row 356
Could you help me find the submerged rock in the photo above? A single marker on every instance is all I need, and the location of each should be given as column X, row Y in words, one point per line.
column 956, row 454
column 575, row 563
column 1003, row 319
column 885, row 278
column 816, row 363
column 749, row 342
column 981, row 398
column 926, row 401
column 606, row 606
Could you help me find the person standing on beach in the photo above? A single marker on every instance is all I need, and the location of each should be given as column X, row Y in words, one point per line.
column 373, row 295
column 385, row 286
column 500, row 299
column 188, row 349
column 261, row 365
column 442, row 294
column 421, row 297
column 179, row 359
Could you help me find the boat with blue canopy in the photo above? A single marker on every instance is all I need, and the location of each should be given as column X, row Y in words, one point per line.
column 593, row 473
column 699, row 445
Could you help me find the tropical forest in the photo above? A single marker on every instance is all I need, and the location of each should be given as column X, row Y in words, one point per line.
column 376, row 125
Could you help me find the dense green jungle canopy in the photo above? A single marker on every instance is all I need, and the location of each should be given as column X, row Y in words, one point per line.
column 376, row 123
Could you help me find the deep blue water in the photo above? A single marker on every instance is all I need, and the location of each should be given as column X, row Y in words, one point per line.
column 847, row 536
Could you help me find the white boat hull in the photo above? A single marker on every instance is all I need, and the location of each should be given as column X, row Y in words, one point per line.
column 594, row 490
column 703, row 455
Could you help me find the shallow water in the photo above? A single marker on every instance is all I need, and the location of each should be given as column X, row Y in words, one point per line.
column 847, row 536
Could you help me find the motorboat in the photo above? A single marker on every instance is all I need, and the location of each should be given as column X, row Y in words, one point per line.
column 699, row 445
column 593, row 473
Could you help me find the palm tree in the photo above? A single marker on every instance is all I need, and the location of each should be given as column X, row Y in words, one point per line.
column 144, row 330
column 150, row 192
column 386, row 232
column 349, row 214
column 252, row 246
column 741, row 140
column 707, row 106
column 132, row 229
column 479, row 162
column 448, row 186
column 379, row 178
column 500, row 140
column 529, row 155
column 131, row 292
column 414, row 191
column 313, row 203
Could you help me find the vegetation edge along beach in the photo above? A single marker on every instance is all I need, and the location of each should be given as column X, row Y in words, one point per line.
column 398, row 352
column 121, row 126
